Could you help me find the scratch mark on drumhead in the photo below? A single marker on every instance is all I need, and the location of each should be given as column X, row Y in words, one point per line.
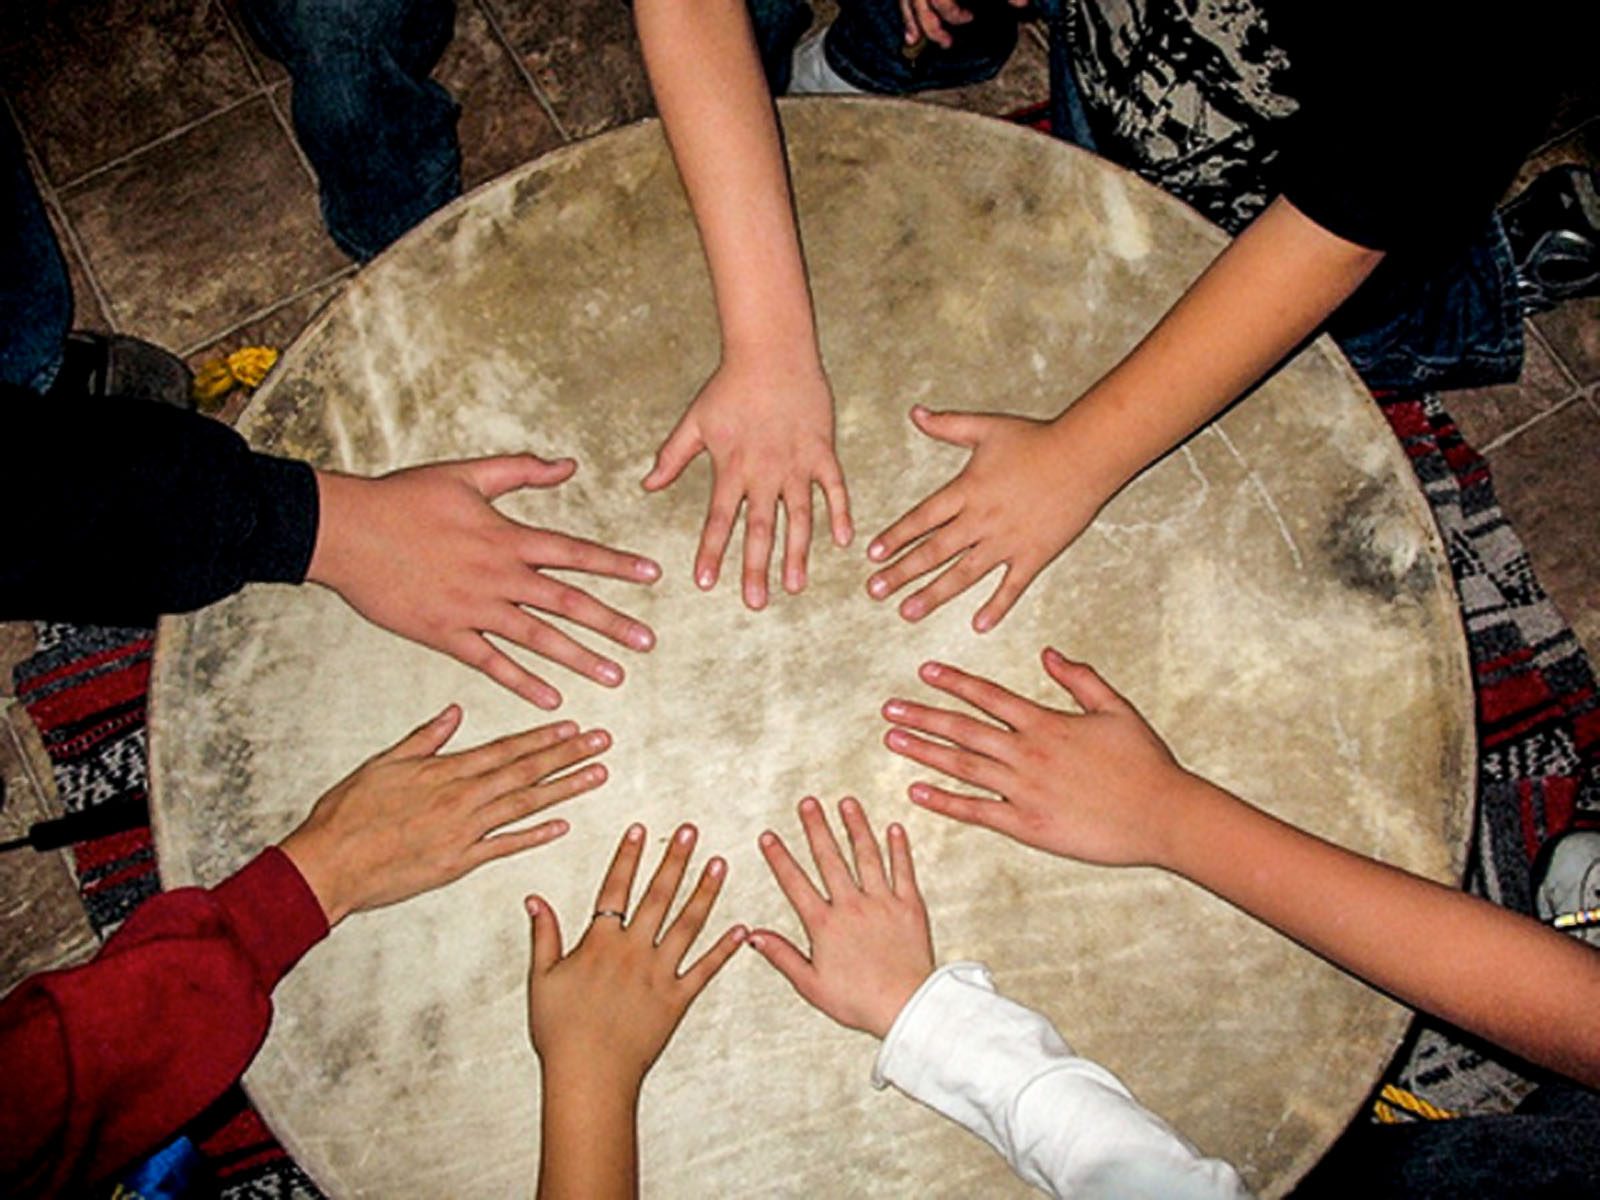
column 1265, row 496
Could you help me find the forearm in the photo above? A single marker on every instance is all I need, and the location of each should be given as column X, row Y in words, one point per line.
column 109, row 1058
column 1489, row 971
column 150, row 510
column 588, row 1140
column 1272, row 287
column 720, row 123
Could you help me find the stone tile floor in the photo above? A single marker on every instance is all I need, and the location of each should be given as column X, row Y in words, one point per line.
column 160, row 138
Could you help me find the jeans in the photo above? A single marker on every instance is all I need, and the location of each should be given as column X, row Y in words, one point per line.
column 35, row 297
column 1413, row 324
column 380, row 134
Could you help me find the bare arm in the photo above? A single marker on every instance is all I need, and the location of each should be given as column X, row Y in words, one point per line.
column 1102, row 787
column 1277, row 282
column 766, row 416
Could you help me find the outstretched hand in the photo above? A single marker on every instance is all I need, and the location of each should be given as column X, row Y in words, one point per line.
column 1017, row 502
column 1090, row 786
column 412, row 819
column 868, row 929
column 603, row 1013
column 770, row 436
column 423, row 553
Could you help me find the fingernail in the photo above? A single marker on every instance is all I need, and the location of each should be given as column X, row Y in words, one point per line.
column 449, row 711
column 878, row 588
column 566, row 729
column 931, row 670
column 768, row 839
column 1052, row 655
column 548, row 698
column 919, row 793
column 875, row 551
column 635, row 832
column 809, row 805
column 596, row 774
column 982, row 622
column 609, row 673
column 643, row 568
column 897, row 831
column 896, row 739
column 759, row 942
column 705, row 579
column 597, row 740
column 849, row 805
column 641, row 638
column 532, row 905
column 794, row 581
column 739, row 933
column 911, row 610
column 715, row 868
column 754, row 596
column 894, row 709
column 685, row 835
column 559, row 828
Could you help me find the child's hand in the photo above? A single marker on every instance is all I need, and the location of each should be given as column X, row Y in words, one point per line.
column 1017, row 501
column 411, row 819
column 1091, row 787
column 770, row 436
column 602, row 1015
column 424, row 553
column 870, row 945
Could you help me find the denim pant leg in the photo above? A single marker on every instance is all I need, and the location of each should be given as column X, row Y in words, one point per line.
column 779, row 26
column 865, row 45
column 380, row 134
column 1452, row 324
column 35, row 296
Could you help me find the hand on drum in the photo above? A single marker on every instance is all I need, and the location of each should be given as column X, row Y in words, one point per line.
column 411, row 819
column 769, row 432
column 928, row 18
column 1018, row 501
column 600, row 1015
column 423, row 553
column 1096, row 786
column 870, row 944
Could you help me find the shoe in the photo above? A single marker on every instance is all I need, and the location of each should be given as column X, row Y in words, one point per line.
column 810, row 74
column 112, row 364
column 1554, row 230
column 1571, row 882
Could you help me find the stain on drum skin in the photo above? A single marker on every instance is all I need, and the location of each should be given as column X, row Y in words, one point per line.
column 1274, row 596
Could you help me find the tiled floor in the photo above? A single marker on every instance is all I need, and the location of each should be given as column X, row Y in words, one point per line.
column 161, row 140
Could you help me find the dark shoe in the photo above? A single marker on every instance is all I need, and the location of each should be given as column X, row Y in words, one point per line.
column 1554, row 231
column 112, row 364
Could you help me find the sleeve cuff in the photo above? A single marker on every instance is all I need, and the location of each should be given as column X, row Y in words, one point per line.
column 922, row 1019
column 274, row 914
column 285, row 533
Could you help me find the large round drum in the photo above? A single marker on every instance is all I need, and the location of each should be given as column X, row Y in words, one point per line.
column 1273, row 595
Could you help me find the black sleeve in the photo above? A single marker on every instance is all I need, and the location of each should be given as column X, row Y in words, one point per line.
column 1410, row 129
column 118, row 510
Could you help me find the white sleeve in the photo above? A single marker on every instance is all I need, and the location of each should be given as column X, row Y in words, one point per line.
column 1065, row 1124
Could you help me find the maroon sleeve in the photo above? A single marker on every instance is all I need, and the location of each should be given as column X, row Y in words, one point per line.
column 105, row 1061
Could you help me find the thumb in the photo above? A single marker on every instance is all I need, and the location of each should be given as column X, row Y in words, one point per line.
column 427, row 740
column 494, row 477
column 1083, row 683
column 791, row 964
column 545, row 931
column 682, row 444
column 956, row 428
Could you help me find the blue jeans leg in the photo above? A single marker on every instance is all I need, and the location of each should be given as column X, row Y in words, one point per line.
column 380, row 134
column 35, row 296
column 1436, row 325
column 779, row 25
column 864, row 45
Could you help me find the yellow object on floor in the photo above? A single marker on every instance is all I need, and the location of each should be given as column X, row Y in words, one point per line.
column 245, row 367
column 1396, row 1100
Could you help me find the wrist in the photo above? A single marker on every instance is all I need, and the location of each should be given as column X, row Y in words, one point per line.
column 1093, row 444
column 591, row 1081
column 336, row 493
column 773, row 349
column 317, row 866
column 1195, row 814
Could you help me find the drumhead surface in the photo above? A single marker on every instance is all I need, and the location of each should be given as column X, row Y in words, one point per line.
column 1273, row 596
